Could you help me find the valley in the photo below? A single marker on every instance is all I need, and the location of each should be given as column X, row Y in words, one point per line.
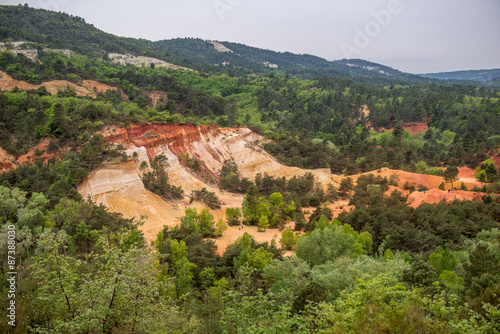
column 193, row 186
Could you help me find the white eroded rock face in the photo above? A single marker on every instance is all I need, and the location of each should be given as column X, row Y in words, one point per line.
column 120, row 188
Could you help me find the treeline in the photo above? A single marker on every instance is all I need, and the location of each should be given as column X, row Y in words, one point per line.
column 328, row 113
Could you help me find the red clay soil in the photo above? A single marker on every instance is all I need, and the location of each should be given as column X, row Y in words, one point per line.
column 416, row 128
column 30, row 156
column 177, row 137
column 8, row 83
column 429, row 181
column 496, row 160
column 7, row 161
column 435, row 196
column 466, row 173
column 413, row 128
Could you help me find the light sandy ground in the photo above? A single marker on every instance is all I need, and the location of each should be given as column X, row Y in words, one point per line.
column 219, row 47
column 86, row 88
column 119, row 186
column 140, row 61
column 234, row 232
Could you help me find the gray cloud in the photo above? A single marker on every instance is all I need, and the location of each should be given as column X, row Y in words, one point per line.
column 421, row 36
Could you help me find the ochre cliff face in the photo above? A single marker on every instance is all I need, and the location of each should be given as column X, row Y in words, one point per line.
column 120, row 188
column 119, row 185
column 7, row 161
column 210, row 145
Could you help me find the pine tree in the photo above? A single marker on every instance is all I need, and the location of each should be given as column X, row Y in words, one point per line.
column 482, row 271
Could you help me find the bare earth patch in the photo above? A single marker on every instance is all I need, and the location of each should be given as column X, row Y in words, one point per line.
column 118, row 185
column 86, row 88
column 434, row 196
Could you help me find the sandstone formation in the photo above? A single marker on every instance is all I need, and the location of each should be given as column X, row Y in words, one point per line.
column 140, row 61
column 119, row 185
column 86, row 88
column 120, row 188
column 220, row 47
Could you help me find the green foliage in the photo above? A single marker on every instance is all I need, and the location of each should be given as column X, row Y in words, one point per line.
column 422, row 229
column 207, row 197
column 482, row 271
column 345, row 187
column 221, row 227
column 260, row 314
column 301, row 190
column 230, row 180
column 442, row 260
column 266, row 213
column 288, row 239
column 421, row 274
column 422, row 167
column 452, row 282
column 157, row 180
column 259, row 258
column 487, row 172
column 388, row 255
column 263, row 223
column 451, row 174
column 368, row 189
column 182, row 268
column 287, row 276
column 83, row 269
column 233, row 216
column 329, row 242
column 341, row 274
column 119, row 293
column 192, row 222
column 459, row 318
column 58, row 179
column 378, row 304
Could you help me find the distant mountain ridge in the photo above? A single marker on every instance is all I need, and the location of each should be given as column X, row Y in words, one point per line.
column 48, row 29
column 472, row 75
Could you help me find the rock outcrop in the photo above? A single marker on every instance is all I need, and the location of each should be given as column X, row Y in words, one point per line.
column 120, row 188
column 219, row 47
column 85, row 88
column 140, row 61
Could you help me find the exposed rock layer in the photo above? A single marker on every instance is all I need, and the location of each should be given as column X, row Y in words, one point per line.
column 120, row 188
column 85, row 88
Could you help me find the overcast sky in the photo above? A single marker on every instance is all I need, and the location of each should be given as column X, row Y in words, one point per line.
column 416, row 36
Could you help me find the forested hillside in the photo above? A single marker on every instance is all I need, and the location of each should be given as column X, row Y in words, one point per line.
column 380, row 266
column 61, row 31
column 477, row 75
